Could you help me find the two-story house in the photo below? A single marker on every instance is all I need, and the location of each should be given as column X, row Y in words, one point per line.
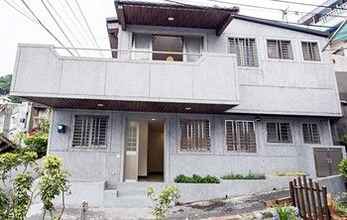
column 188, row 90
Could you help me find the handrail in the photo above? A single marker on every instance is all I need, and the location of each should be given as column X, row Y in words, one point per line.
column 130, row 51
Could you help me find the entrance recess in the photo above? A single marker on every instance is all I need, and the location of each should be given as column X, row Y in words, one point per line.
column 144, row 151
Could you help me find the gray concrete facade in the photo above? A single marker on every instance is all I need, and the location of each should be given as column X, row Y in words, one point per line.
column 107, row 164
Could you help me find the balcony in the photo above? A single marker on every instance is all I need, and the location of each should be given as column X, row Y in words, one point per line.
column 45, row 76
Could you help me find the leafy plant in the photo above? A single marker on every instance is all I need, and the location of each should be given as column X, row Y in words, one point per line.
column 37, row 142
column 18, row 171
column 342, row 167
column 196, row 179
column 249, row 176
column 52, row 184
column 163, row 200
column 286, row 213
column 341, row 208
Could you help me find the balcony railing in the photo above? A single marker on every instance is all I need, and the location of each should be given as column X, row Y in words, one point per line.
column 47, row 71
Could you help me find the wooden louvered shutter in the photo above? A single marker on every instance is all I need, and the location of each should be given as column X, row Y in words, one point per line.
column 90, row 131
column 240, row 136
column 81, row 134
column 99, row 130
column 195, row 135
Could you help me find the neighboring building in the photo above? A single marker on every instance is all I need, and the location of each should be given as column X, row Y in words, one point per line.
column 333, row 17
column 20, row 117
column 190, row 90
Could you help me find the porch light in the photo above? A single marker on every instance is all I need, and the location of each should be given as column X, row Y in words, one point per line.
column 61, row 128
column 188, row 108
column 153, row 119
column 100, row 105
column 171, row 18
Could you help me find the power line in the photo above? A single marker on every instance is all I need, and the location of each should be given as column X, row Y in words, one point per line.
column 19, row 11
column 269, row 8
column 44, row 26
column 63, row 21
column 77, row 19
column 87, row 24
column 58, row 25
column 308, row 4
column 277, row 9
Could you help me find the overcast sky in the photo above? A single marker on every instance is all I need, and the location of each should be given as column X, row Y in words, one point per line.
column 15, row 28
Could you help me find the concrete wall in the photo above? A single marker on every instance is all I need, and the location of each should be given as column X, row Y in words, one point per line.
column 106, row 164
column 283, row 87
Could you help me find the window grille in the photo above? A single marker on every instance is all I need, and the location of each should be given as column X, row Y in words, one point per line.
column 278, row 132
column 90, row 131
column 195, row 135
column 310, row 51
column 240, row 136
column 311, row 133
column 245, row 50
column 279, row 49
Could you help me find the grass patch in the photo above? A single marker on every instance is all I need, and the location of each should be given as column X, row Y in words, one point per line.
column 249, row 176
column 196, row 179
column 294, row 173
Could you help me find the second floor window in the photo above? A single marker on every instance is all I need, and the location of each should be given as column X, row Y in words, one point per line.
column 195, row 135
column 240, row 136
column 311, row 133
column 278, row 132
column 310, row 51
column 90, row 131
column 245, row 50
column 279, row 49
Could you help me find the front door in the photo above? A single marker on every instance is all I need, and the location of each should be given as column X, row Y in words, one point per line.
column 131, row 152
column 326, row 161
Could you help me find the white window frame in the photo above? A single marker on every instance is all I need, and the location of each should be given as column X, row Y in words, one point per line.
column 279, row 143
column 319, row 51
column 292, row 43
column 256, row 47
column 240, row 152
column 92, row 147
column 179, row 132
column 318, row 128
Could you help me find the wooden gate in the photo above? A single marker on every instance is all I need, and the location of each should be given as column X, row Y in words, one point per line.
column 310, row 199
column 326, row 160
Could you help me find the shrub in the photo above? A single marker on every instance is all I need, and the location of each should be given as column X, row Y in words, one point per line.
column 16, row 188
column 163, row 200
column 249, row 176
column 286, row 213
column 196, row 179
column 342, row 167
column 37, row 142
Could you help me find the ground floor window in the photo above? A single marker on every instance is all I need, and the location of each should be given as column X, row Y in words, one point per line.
column 240, row 136
column 90, row 131
column 311, row 133
column 195, row 135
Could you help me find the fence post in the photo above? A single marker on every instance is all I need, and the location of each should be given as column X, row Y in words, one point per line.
column 291, row 191
column 313, row 199
column 325, row 202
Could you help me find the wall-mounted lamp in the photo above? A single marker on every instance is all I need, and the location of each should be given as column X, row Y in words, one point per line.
column 257, row 119
column 61, row 128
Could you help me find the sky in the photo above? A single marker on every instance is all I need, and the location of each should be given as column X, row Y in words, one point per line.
column 15, row 28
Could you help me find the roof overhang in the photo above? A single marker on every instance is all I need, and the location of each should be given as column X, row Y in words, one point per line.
column 173, row 15
column 136, row 106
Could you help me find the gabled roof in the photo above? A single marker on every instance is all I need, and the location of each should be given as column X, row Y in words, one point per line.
column 284, row 25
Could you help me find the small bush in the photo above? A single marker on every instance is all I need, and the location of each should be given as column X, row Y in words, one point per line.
column 342, row 167
column 37, row 142
column 249, row 176
column 286, row 213
column 163, row 200
column 196, row 179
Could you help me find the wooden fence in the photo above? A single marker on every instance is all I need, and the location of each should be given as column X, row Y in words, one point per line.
column 310, row 199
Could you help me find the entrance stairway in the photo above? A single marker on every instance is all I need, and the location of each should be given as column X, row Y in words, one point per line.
column 129, row 195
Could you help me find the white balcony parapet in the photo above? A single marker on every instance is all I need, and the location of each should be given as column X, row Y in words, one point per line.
column 41, row 71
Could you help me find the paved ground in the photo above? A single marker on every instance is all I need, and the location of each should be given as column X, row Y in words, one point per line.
column 213, row 209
